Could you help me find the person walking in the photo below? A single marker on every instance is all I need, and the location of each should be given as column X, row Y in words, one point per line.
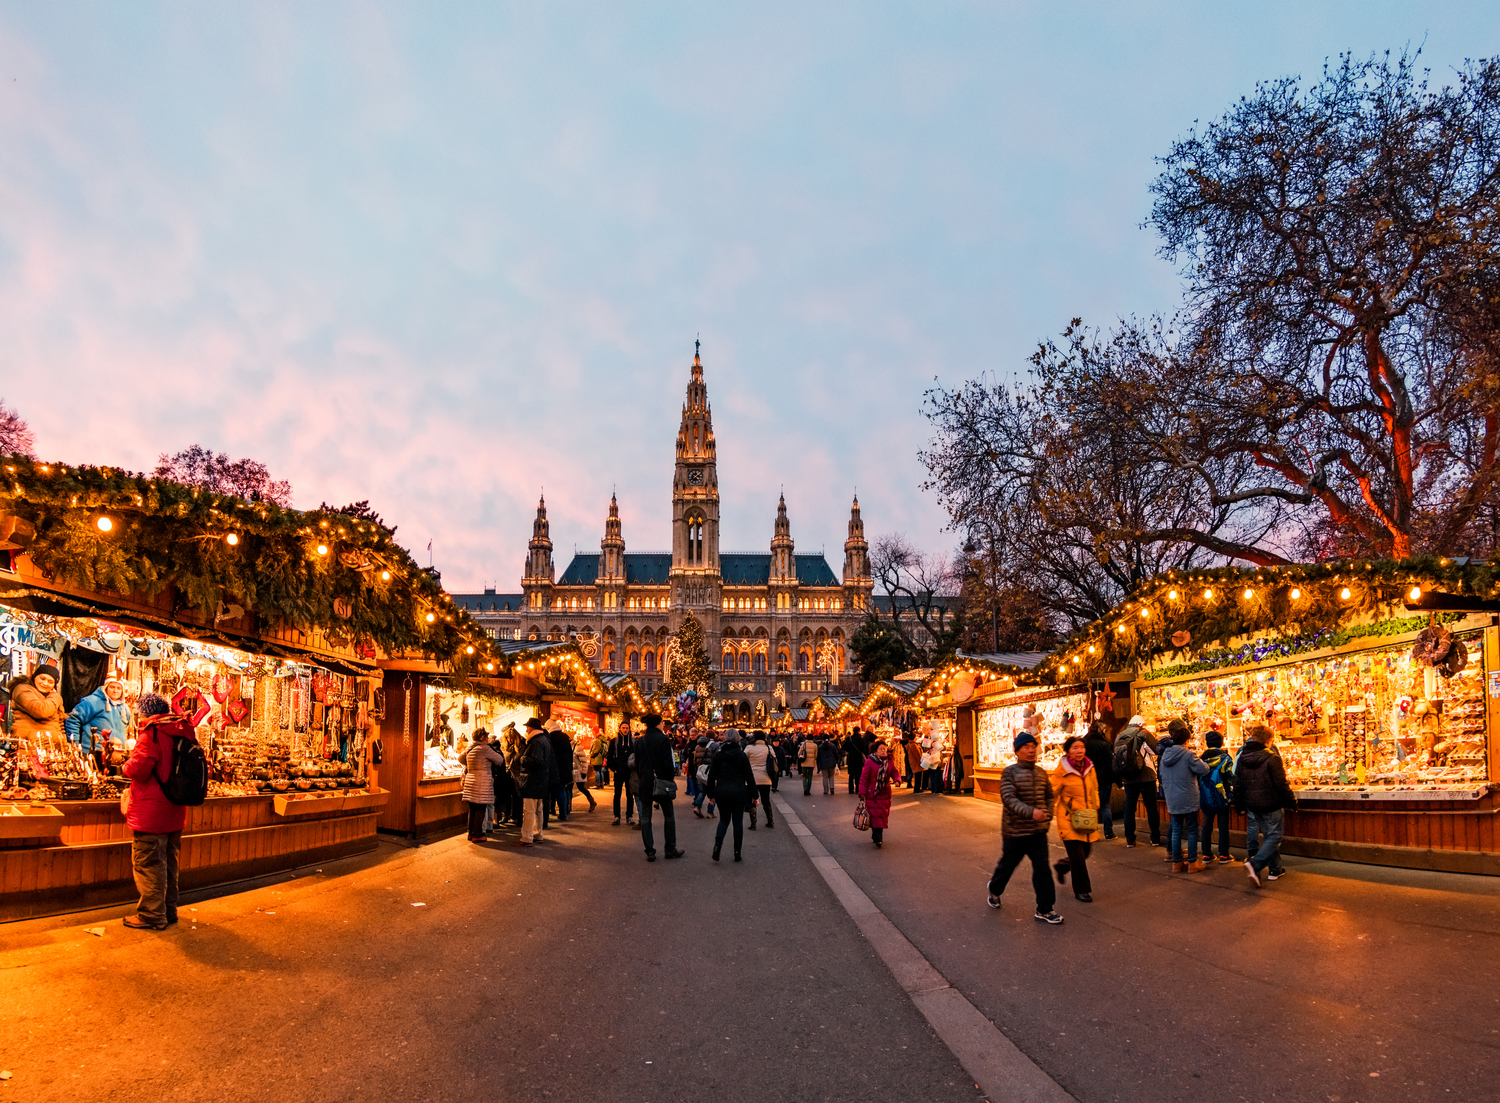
column 1215, row 794
column 1180, row 770
column 479, row 782
column 828, row 760
column 617, row 759
column 596, row 763
column 703, row 753
column 581, row 774
column 1262, row 793
column 914, row 774
column 855, row 752
column 807, row 759
column 875, row 790
column 764, row 768
column 560, row 799
column 1100, row 749
column 1075, row 781
column 154, row 821
column 1026, row 797
column 535, row 776
column 653, row 762
column 1134, row 748
column 731, row 783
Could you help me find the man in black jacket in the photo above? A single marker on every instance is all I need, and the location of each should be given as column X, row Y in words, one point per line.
column 653, row 760
column 617, row 758
column 1100, row 749
column 854, row 759
column 560, row 800
column 535, row 775
column 1262, row 793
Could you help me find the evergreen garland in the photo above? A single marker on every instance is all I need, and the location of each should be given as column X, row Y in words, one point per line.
column 162, row 533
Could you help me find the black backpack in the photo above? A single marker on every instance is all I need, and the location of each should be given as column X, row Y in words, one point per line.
column 1128, row 758
column 188, row 782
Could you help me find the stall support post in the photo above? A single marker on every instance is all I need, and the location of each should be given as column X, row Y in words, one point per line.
column 1492, row 697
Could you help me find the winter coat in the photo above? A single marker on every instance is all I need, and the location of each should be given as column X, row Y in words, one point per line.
column 1179, row 786
column 1101, row 751
column 151, row 763
column 913, row 756
column 619, row 752
column 731, row 781
column 1131, row 773
column 479, row 783
column 596, row 753
column 562, row 755
column 703, row 753
column 580, row 762
column 828, row 755
column 1260, row 780
column 762, row 762
column 35, row 712
column 807, row 754
column 875, row 790
column 1074, row 790
column 1025, row 789
column 854, row 756
column 97, row 718
column 653, row 759
column 535, row 772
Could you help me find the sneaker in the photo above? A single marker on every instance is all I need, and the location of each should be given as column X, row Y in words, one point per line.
column 1275, row 875
column 135, row 922
column 1225, row 859
column 1049, row 917
column 615, row 822
column 1130, row 846
column 1254, row 877
column 992, row 901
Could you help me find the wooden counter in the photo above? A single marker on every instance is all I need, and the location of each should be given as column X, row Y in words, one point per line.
column 225, row 839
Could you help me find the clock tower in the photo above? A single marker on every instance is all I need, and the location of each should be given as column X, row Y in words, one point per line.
column 695, row 515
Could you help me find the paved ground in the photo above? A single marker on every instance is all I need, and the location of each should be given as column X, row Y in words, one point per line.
column 578, row 971
column 572, row 971
column 1337, row 984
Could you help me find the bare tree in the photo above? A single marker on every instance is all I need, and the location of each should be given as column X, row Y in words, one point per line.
column 921, row 591
column 15, row 435
column 246, row 478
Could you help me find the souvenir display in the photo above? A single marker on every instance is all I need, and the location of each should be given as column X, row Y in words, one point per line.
column 1051, row 720
column 1404, row 718
column 452, row 718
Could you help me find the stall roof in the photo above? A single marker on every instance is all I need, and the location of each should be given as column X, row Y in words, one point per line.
column 1022, row 660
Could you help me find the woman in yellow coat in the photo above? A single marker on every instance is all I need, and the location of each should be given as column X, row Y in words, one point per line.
column 1077, row 789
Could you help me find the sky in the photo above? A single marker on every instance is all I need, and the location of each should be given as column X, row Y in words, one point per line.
column 441, row 256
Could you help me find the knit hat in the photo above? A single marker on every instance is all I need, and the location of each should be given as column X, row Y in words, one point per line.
column 152, row 704
column 534, row 723
column 1022, row 739
column 48, row 669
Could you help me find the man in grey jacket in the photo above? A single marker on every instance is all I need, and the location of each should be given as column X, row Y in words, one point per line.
column 1026, row 796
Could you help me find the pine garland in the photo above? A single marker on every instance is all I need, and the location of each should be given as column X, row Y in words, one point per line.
column 344, row 575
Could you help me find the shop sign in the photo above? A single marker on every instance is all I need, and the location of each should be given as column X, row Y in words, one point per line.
column 1495, row 683
column 14, row 637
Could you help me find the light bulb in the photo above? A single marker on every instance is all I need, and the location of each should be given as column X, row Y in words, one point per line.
column 322, row 549
column 1416, row 592
column 1344, row 593
column 1208, row 594
column 1145, row 614
column 1172, row 594
column 385, row 576
column 232, row 539
column 431, row 617
column 1296, row 595
column 105, row 524
column 1249, row 594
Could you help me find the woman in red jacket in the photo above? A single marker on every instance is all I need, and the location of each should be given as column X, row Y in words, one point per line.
column 156, row 821
column 875, row 788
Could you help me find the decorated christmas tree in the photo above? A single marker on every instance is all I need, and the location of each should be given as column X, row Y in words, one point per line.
column 687, row 663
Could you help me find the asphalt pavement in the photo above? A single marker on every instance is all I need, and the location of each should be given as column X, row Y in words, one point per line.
column 461, row 971
column 1336, row 984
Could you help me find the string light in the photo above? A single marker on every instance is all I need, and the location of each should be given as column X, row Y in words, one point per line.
column 105, row 524
column 431, row 617
column 1209, row 594
column 1249, row 594
column 1345, row 594
column 385, row 576
column 1296, row 594
column 232, row 539
column 322, row 549
column 1416, row 593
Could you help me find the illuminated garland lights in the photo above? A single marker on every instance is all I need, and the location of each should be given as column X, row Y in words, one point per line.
column 1213, row 606
column 104, row 528
column 982, row 670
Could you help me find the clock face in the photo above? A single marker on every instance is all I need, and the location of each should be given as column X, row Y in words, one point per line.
column 695, row 476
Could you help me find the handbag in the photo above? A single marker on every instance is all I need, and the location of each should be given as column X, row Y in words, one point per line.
column 861, row 817
column 702, row 774
column 1084, row 820
column 664, row 788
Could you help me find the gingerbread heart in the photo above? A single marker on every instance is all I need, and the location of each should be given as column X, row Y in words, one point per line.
column 237, row 710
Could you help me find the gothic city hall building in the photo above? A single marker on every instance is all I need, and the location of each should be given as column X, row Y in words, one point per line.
column 776, row 623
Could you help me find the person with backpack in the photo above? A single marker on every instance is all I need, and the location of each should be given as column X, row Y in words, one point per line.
column 617, row 758
column 1262, row 793
column 1215, row 792
column 1132, row 768
column 1100, row 749
column 1181, row 770
column 807, row 757
column 168, row 774
column 703, row 754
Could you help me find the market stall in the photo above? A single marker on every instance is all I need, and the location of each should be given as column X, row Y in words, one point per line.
column 1383, row 719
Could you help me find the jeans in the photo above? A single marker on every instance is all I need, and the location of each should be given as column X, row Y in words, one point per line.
column 533, row 819
column 1184, row 825
column 807, row 773
column 153, row 859
column 1210, row 817
column 1012, row 852
column 827, row 782
column 1076, row 863
column 601, row 777
column 669, row 825
column 1106, row 813
column 1269, row 827
column 765, row 803
column 734, row 811
column 854, row 770
column 622, row 780
column 476, row 819
column 1144, row 789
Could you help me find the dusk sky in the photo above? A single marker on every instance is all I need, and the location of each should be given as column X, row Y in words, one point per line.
column 441, row 256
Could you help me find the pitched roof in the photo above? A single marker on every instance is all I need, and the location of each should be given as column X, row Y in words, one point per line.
column 489, row 602
column 653, row 568
column 641, row 569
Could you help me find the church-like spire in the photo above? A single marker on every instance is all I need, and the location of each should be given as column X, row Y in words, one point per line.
column 538, row 580
column 783, row 563
column 856, row 549
column 612, row 547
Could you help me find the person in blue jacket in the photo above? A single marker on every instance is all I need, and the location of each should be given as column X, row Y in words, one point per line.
column 102, row 715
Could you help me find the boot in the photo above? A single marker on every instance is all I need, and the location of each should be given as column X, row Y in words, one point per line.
column 1061, row 868
column 593, row 804
column 1179, row 867
column 716, row 850
column 1197, row 867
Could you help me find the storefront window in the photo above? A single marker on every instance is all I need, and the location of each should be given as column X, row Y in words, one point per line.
column 1051, row 720
column 1367, row 721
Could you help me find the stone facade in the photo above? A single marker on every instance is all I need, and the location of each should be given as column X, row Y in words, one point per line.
column 778, row 623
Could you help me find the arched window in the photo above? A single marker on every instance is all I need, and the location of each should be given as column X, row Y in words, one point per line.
column 727, row 663
column 802, row 662
column 760, row 663
column 609, row 658
column 650, row 659
column 783, row 661
column 634, row 661
column 744, row 662
column 695, row 538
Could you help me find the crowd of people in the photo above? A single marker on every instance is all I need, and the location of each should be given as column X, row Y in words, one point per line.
column 1198, row 790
